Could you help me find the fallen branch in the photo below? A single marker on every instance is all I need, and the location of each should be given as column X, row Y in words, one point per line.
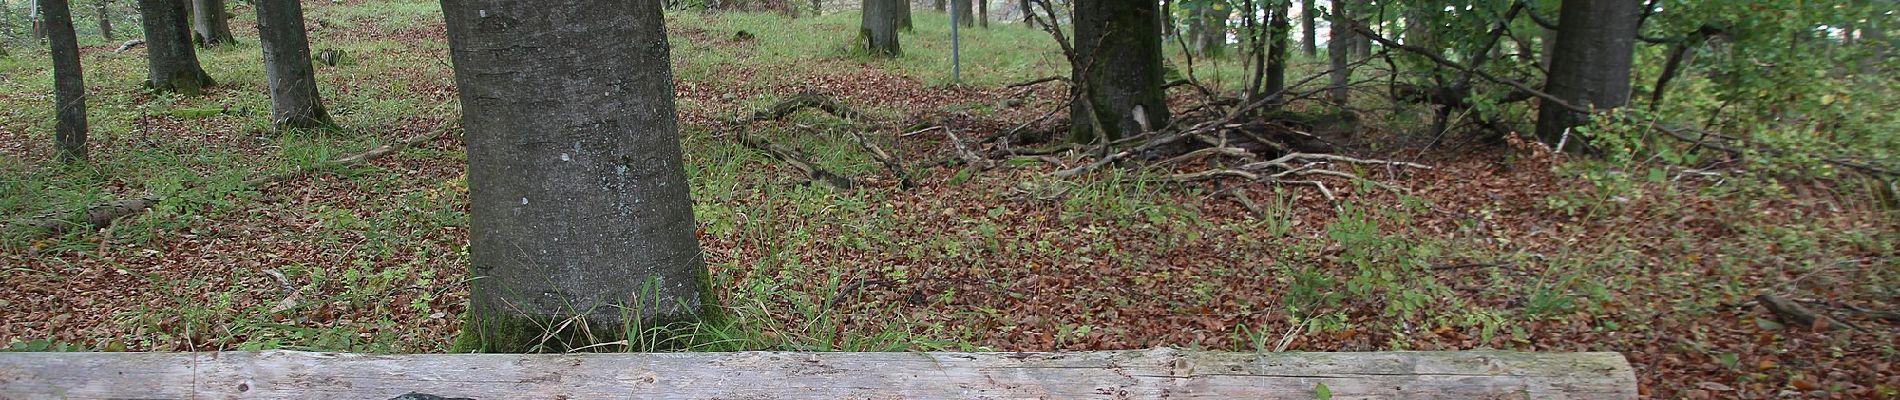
column 359, row 158
column 801, row 101
column 1112, row 158
column 963, row 151
column 1034, row 82
column 798, row 160
column 1793, row 313
column 103, row 215
column 789, row 156
column 94, row 217
column 129, row 45
column 919, row 131
column 891, row 163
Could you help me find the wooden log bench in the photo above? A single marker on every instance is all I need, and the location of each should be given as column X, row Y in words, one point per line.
column 1138, row 374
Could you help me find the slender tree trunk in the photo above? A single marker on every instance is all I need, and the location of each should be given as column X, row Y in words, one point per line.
column 983, row 13
column 1339, row 49
column 1196, row 25
column 37, row 18
column 1362, row 45
column 102, row 8
column 1029, row 12
column 1212, row 41
column 580, row 209
column 1550, row 46
column 1257, row 38
column 6, row 26
column 295, row 103
column 1596, row 44
column 903, row 16
column 1118, row 46
column 1309, row 13
column 878, row 28
column 171, row 63
column 1680, row 54
column 210, row 25
column 938, row 5
column 1874, row 36
column 69, row 83
column 1167, row 21
column 1281, row 30
column 1418, row 28
column 964, row 15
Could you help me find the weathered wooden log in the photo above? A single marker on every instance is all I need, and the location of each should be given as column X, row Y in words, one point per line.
column 1156, row 373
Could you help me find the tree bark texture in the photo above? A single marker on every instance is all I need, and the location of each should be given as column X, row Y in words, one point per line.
column 1339, row 54
column 1118, row 46
column 878, row 27
column 69, row 83
column 903, row 16
column 210, row 26
column 1281, row 29
column 964, row 14
column 580, row 207
column 983, row 13
column 1309, row 13
column 35, row 16
column 171, row 63
column 1596, row 41
column 295, row 102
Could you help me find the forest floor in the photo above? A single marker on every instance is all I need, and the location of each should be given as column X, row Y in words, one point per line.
column 1498, row 246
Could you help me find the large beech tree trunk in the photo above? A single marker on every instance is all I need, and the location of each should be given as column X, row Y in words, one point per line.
column 210, row 26
column 1118, row 51
column 579, row 200
column 1590, row 66
column 294, row 101
column 878, row 27
column 171, row 63
column 69, row 83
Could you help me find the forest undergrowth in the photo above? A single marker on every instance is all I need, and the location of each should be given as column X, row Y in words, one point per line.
column 1500, row 244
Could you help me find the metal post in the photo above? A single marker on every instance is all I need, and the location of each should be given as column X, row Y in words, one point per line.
column 956, row 49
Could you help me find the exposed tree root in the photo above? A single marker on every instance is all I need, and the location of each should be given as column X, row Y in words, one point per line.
column 801, row 101
column 799, row 161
